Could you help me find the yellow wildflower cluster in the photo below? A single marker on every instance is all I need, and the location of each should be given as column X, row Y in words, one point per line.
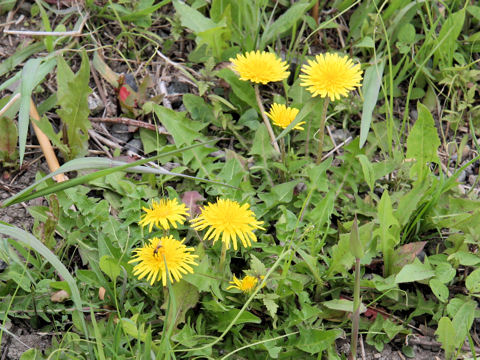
column 161, row 257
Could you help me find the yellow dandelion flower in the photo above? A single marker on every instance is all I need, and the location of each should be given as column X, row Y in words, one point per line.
column 246, row 285
column 152, row 257
column 163, row 213
column 282, row 116
column 229, row 219
column 260, row 67
column 331, row 75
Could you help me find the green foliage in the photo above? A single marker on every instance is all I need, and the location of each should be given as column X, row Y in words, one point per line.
column 393, row 197
column 72, row 94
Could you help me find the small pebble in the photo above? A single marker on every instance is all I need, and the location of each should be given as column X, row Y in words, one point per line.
column 462, row 176
column 471, row 179
column 134, row 145
column 95, row 104
column 120, row 131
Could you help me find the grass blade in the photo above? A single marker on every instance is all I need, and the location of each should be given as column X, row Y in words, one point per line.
column 371, row 88
column 109, row 167
column 31, row 241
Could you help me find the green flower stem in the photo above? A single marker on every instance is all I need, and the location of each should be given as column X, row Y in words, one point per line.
column 321, row 130
column 265, row 119
column 223, row 255
column 356, row 311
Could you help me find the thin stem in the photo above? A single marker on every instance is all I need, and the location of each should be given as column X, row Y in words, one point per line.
column 223, row 255
column 321, row 130
column 265, row 119
column 356, row 311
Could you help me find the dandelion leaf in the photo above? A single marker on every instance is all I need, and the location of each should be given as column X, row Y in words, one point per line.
column 422, row 143
column 72, row 95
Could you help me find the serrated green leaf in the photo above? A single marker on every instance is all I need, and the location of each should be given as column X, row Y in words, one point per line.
column 388, row 231
column 422, row 143
column 257, row 266
column 184, row 131
column 270, row 304
column 72, row 95
column 110, row 267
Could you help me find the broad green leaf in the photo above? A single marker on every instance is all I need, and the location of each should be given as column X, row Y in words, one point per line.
column 110, row 267
column 414, row 272
column 198, row 109
column 243, row 89
column 445, row 272
column 314, row 341
column 285, row 22
column 226, row 317
column 446, row 335
column 72, row 95
column 184, row 131
column 439, row 289
column 261, row 143
column 187, row 297
column 422, row 143
column 463, row 319
column 473, row 281
column 370, row 88
column 465, row 258
column 343, row 305
column 192, row 19
column 447, row 38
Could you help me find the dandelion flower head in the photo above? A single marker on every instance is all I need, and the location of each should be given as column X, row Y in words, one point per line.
column 152, row 258
column 164, row 213
column 282, row 116
column 229, row 219
column 260, row 67
column 246, row 285
column 331, row 75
